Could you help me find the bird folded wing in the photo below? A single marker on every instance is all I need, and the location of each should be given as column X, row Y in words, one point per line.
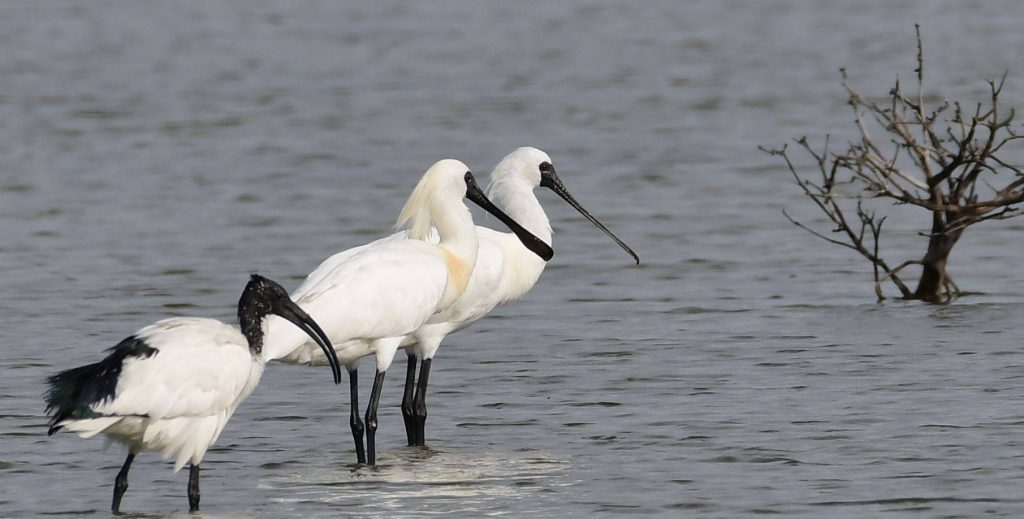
column 198, row 370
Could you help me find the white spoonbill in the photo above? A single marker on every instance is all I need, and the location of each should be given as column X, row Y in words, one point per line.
column 173, row 385
column 370, row 298
column 505, row 269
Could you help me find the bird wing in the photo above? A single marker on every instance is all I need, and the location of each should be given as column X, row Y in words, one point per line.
column 327, row 266
column 386, row 289
column 200, row 367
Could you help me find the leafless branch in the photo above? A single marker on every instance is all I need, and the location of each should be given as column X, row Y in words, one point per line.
column 943, row 159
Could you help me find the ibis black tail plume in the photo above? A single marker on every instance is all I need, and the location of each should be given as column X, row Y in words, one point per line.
column 74, row 393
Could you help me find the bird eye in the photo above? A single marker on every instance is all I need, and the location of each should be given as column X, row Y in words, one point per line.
column 545, row 167
column 469, row 176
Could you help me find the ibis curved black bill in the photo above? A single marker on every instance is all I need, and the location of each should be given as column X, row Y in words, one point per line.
column 535, row 244
column 550, row 180
column 298, row 317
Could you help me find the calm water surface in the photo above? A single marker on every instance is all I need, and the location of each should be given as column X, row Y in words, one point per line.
column 154, row 154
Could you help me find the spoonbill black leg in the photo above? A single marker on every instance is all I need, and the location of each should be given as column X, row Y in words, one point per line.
column 193, row 488
column 121, row 483
column 420, row 403
column 407, row 400
column 371, row 418
column 353, row 418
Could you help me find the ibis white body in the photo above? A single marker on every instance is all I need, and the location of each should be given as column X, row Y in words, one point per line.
column 177, row 398
column 172, row 386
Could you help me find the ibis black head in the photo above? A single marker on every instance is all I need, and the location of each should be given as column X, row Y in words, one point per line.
column 535, row 244
column 550, row 180
column 262, row 297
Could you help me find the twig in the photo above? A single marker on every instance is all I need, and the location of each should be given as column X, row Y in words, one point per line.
column 949, row 177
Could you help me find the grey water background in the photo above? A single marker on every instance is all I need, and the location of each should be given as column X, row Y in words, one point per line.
column 155, row 153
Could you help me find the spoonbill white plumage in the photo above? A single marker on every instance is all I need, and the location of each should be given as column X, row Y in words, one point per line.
column 370, row 298
column 505, row 270
column 173, row 385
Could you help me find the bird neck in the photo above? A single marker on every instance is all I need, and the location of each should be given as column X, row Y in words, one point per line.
column 517, row 199
column 515, row 196
column 251, row 322
column 455, row 231
column 458, row 245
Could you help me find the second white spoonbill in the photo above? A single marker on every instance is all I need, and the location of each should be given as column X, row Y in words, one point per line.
column 505, row 269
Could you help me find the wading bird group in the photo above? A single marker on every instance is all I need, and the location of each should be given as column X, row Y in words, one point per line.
column 172, row 386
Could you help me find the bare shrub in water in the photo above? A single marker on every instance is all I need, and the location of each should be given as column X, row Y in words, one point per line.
column 953, row 170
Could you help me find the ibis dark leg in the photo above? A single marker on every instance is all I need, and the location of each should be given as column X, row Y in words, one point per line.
column 193, row 488
column 353, row 419
column 407, row 412
column 371, row 418
column 419, row 405
column 121, row 483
